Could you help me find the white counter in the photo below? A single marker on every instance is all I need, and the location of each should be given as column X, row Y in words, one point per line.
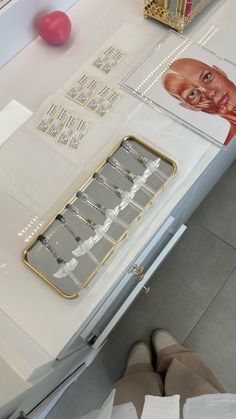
column 41, row 321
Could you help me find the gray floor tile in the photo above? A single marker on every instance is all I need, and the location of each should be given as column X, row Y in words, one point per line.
column 214, row 338
column 217, row 212
column 181, row 290
column 93, row 385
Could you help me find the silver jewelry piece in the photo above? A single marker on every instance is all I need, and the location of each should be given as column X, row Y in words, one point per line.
column 90, row 223
column 144, row 161
column 108, row 184
column 91, row 202
column 121, row 169
column 129, row 175
column 117, row 191
column 75, row 211
column 66, row 267
column 45, row 242
column 65, row 224
column 104, row 211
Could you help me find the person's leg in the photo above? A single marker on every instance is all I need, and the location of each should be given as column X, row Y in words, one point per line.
column 182, row 370
column 139, row 379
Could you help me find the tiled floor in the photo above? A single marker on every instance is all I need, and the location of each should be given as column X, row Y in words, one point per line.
column 193, row 296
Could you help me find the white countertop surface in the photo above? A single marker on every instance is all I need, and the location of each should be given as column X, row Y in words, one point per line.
column 46, row 320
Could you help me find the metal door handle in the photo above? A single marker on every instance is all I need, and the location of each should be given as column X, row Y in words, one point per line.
column 138, row 271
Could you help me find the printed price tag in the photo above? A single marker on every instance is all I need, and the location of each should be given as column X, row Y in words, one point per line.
column 108, row 103
column 82, row 90
column 94, row 94
column 109, row 59
column 65, row 126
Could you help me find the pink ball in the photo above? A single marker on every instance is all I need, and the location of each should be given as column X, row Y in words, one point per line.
column 54, row 28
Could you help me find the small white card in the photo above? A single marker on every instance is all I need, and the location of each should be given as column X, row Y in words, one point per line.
column 11, row 118
column 161, row 407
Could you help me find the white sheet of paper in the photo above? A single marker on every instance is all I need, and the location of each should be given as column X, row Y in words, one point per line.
column 161, row 407
column 217, row 406
column 11, row 118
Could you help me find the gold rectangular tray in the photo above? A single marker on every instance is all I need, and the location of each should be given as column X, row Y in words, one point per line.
column 175, row 20
column 95, row 236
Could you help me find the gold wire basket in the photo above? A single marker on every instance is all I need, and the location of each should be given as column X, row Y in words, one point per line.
column 160, row 10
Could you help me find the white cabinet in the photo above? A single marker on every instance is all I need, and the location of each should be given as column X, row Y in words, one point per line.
column 135, row 278
column 138, row 276
column 205, row 182
column 88, row 341
column 88, row 335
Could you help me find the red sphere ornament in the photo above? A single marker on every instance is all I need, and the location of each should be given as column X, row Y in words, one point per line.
column 54, row 28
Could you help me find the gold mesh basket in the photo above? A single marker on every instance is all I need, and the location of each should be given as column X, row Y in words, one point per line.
column 170, row 18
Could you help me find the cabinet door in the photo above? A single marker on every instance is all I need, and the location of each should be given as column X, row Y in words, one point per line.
column 127, row 282
column 119, row 292
column 126, row 289
column 139, row 277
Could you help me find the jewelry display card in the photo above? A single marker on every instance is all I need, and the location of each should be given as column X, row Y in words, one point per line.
column 94, row 94
column 108, row 59
column 91, row 95
column 63, row 125
column 77, row 242
column 191, row 84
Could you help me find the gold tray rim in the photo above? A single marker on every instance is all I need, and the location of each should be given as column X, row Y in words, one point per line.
column 82, row 187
